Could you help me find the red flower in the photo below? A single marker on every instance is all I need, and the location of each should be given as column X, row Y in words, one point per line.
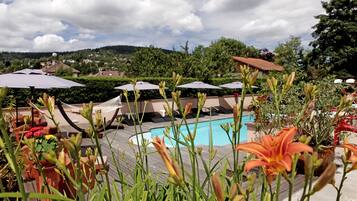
column 38, row 133
column 28, row 134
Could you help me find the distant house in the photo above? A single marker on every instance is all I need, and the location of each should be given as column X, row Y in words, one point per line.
column 109, row 73
column 259, row 64
column 51, row 68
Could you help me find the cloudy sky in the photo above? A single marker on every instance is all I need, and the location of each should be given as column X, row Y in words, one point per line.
column 58, row 25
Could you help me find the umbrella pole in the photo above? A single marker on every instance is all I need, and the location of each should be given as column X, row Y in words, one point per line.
column 32, row 111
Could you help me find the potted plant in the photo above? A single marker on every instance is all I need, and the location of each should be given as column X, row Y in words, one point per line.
column 38, row 142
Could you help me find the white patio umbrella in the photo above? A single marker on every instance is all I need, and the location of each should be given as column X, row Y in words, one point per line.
column 234, row 85
column 198, row 85
column 350, row 81
column 37, row 79
column 337, row 81
column 139, row 85
column 34, row 79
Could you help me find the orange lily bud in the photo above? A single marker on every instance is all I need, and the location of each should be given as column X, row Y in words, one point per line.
column 236, row 113
column 171, row 166
column 217, row 187
column 188, row 108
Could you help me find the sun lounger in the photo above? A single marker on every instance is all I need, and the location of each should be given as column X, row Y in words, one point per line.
column 157, row 117
column 191, row 115
column 223, row 110
column 209, row 111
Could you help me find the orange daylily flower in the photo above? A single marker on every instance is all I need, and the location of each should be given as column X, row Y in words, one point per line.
column 352, row 156
column 274, row 153
column 170, row 164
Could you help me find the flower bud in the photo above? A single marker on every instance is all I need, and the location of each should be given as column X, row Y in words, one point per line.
column 226, row 127
column 310, row 91
column 50, row 157
column 244, row 70
column 344, row 102
column 168, row 110
column 188, row 108
column 62, row 157
column 233, row 191
column 176, row 78
column 308, row 164
column 252, row 78
column 272, row 84
column 326, row 177
column 98, row 118
column 217, row 187
column 176, row 98
column 87, row 110
column 125, row 93
column 236, row 113
column 199, row 150
column 201, row 100
column 238, row 198
column 162, row 87
column 174, row 171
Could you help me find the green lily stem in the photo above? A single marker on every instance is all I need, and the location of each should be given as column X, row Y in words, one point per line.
column 277, row 189
column 310, row 185
column 95, row 134
column 344, row 173
column 141, row 161
column 10, row 150
column 237, row 140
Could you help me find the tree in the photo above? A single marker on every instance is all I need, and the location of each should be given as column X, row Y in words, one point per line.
column 151, row 61
column 216, row 59
column 266, row 55
column 335, row 44
column 290, row 54
column 64, row 72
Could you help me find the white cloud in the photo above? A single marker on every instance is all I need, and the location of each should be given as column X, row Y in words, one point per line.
column 73, row 24
column 53, row 42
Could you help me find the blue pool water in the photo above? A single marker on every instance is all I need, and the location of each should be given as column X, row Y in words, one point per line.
column 203, row 131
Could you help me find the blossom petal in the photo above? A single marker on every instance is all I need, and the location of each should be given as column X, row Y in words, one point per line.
column 287, row 162
column 254, row 148
column 286, row 138
column 267, row 141
column 351, row 147
column 298, row 147
column 254, row 163
column 353, row 159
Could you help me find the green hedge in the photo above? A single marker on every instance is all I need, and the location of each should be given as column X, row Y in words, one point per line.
column 99, row 89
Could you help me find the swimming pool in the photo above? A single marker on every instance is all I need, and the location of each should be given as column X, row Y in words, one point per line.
column 219, row 136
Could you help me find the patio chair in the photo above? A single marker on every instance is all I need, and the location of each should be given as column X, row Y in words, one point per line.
column 223, row 110
column 210, row 111
column 157, row 117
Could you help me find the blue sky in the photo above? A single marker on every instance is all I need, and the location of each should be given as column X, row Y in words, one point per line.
column 60, row 25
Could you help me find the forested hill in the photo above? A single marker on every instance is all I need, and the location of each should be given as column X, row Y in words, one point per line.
column 117, row 49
